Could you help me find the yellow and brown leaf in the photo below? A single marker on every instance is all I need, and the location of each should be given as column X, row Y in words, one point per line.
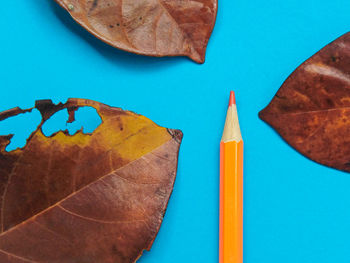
column 97, row 197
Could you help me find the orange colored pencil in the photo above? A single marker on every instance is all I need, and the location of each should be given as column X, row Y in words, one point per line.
column 231, row 189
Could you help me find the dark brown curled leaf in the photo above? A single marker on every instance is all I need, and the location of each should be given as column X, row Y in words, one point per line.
column 311, row 111
column 148, row 27
column 84, row 198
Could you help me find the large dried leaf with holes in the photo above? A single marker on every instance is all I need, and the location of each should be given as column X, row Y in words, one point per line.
column 148, row 27
column 85, row 198
column 311, row 111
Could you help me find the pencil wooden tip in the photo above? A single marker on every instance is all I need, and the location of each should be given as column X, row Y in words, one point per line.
column 232, row 99
column 232, row 131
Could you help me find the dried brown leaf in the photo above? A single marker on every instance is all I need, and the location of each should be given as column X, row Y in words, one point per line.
column 85, row 198
column 148, row 27
column 311, row 111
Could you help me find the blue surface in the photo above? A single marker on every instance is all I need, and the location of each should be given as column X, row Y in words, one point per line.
column 295, row 210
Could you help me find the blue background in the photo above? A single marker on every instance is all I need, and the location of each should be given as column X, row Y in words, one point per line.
column 294, row 209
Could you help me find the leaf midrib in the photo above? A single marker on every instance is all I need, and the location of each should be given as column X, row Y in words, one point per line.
column 75, row 192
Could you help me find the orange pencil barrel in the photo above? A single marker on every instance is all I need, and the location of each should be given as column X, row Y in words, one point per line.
column 231, row 190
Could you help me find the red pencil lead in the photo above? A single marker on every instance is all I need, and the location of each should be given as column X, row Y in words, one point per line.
column 232, row 99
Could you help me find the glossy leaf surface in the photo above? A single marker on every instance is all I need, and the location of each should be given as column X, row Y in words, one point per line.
column 148, row 27
column 311, row 111
column 84, row 198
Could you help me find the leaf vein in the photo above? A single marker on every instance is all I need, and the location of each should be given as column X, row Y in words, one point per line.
column 96, row 220
column 74, row 193
column 18, row 257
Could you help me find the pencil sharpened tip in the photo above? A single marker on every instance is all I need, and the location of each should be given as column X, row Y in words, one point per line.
column 232, row 99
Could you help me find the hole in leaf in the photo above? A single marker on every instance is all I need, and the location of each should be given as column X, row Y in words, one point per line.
column 22, row 126
column 86, row 119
